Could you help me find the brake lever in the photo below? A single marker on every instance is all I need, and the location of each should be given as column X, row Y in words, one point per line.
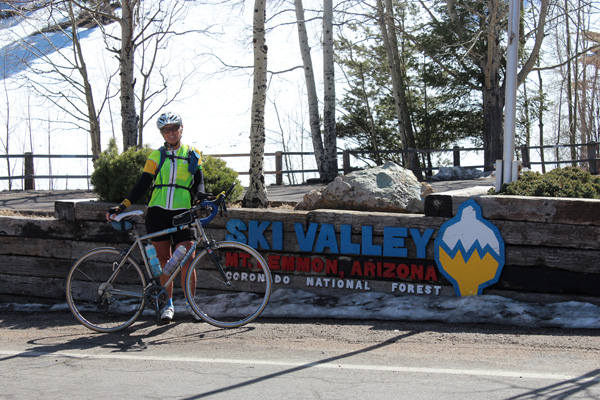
column 223, row 209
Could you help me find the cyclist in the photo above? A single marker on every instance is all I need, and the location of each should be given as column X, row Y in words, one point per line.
column 175, row 172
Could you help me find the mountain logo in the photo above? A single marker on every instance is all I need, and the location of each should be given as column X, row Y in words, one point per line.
column 469, row 250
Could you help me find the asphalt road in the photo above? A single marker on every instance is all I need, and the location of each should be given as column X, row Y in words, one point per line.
column 50, row 356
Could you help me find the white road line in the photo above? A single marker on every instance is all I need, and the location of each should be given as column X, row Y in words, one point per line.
column 301, row 365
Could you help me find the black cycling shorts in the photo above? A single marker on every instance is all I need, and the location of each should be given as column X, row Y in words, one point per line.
column 158, row 218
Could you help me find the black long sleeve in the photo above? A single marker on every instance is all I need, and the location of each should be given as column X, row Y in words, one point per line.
column 199, row 182
column 140, row 188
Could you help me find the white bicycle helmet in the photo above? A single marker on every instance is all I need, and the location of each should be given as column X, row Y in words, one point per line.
column 168, row 118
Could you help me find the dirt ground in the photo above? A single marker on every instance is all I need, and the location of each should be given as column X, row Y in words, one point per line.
column 27, row 327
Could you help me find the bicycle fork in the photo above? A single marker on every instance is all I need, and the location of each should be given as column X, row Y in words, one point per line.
column 217, row 260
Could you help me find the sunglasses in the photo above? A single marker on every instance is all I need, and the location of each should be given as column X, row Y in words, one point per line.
column 171, row 129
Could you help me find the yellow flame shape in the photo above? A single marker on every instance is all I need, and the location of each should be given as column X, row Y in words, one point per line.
column 471, row 273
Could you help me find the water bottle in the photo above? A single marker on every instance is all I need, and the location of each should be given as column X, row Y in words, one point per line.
column 174, row 260
column 153, row 260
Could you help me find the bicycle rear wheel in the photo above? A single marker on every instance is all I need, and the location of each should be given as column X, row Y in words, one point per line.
column 103, row 296
column 234, row 304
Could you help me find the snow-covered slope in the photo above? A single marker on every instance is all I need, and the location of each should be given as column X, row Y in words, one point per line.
column 214, row 101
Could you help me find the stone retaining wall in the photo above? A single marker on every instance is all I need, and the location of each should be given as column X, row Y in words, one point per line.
column 552, row 247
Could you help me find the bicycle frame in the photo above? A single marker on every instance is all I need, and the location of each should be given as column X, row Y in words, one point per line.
column 197, row 225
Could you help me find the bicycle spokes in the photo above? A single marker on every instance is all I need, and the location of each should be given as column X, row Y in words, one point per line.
column 232, row 286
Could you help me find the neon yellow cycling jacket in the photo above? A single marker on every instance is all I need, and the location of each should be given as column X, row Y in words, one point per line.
column 173, row 183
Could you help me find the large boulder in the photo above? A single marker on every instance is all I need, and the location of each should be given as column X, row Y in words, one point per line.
column 388, row 188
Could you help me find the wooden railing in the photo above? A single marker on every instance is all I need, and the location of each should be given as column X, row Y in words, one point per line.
column 280, row 157
column 29, row 175
column 591, row 160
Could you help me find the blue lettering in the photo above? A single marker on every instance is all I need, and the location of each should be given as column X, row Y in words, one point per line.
column 421, row 241
column 369, row 249
column 346, row 245
column 393, row 242
column 306, row 242
column 256, row 234
column 327, row 238
column 235, row 227
column 277, row 235
column 322, row 237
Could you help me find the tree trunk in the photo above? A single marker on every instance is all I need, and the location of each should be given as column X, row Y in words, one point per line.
column 87, row 87
column 256, row 195
column 388, row 32
column 330, row 165
column 7, row 126
column 382, row 19
column 570, row 100
column 493, row 124
column 527, row 119
column 130, row 119
column 413, row 159
column 541, row 106
column 372, row 129
column 311, row 89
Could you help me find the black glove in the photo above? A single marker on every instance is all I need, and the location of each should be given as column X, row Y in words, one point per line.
column 201, row 196
column 117, row 210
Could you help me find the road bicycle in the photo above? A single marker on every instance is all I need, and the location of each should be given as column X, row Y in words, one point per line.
column 107, row 288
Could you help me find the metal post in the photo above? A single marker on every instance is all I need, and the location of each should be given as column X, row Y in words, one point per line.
column 525, row 157
column 512, row 56
column 278, row 168
column 456, row 153
column 592, row 150
column 346, row 161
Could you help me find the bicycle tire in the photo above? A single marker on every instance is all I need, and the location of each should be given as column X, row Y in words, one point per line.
column 98, row 304
column 229, row 306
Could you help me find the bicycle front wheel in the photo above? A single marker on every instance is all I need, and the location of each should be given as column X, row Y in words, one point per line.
column 104, row 291
column 235, row 295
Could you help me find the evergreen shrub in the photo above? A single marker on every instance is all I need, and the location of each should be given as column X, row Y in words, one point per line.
column 570, row 182
column 116, row 174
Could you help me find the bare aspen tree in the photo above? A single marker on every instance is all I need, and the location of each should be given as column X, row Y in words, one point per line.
column 129, row 115
column 138, row 27
column 49, row 139
column 311, row 89
column 330, row 166
column 576, row 51
column 590, row 105
column 70, row 92
column 284, row 141
column 256, row 195
column 571, row 97
column 128, row 22
column 542, row 101
column 81, row 66
column 150, row 70
column 540, row 116
column 144, row 30
column 6, row 143
column 385, row 14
